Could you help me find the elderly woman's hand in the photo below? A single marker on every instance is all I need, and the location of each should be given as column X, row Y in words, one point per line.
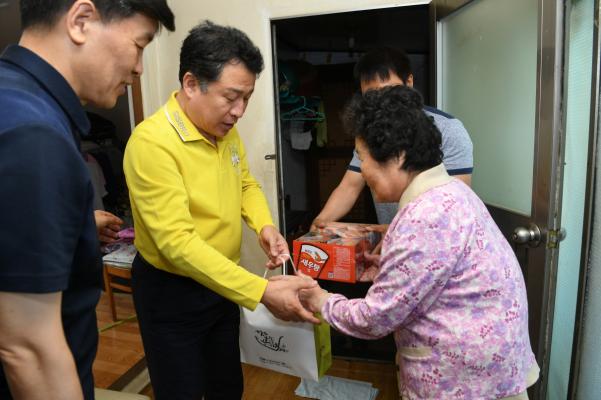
column 372, row 267
column 314, row 298
column 381, row 229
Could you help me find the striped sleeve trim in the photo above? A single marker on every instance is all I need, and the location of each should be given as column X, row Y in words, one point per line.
column 436, row 111
column 460, row 171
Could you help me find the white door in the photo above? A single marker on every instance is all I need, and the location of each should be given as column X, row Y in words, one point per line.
column 499, row 71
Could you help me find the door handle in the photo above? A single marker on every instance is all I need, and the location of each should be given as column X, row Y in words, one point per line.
column 270, row 156
column 530, row 236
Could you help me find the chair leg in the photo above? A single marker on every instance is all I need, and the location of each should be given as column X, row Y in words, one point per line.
column 109, row 292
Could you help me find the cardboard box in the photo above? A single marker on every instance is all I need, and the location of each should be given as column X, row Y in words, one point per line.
column 335, row 252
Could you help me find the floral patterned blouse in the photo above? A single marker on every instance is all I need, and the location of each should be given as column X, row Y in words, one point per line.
column 452, row 291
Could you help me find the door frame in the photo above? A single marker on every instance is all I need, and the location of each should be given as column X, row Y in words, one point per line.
column 137, row 106
column 547, row 170
column 278, row 134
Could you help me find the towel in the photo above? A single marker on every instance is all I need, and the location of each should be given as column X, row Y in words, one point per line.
column 301, row 140
column 333, row 388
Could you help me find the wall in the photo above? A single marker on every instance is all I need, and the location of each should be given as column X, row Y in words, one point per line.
column 590, row 366
column 257, row 127
column 579, row 74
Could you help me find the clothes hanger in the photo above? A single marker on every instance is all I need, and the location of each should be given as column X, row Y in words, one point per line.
column 302, row 113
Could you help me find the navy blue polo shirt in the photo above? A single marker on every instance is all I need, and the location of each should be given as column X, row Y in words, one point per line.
column 47, row 233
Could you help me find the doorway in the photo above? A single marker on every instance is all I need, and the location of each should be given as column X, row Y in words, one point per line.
column 314, row 59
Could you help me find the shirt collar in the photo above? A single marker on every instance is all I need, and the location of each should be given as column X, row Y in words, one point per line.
column 52, row 81
column 180, row 121
column 423, row 182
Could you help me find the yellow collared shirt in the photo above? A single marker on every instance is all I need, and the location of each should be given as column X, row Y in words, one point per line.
column 188, row 196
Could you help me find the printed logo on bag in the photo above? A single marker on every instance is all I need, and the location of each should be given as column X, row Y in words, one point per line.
column 270, row 342
column 313, row 258
column 274, row 363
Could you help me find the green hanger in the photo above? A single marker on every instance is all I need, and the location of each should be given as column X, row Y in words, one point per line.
column 302, row 113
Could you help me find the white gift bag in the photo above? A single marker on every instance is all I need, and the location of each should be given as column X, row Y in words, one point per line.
column 294, row 348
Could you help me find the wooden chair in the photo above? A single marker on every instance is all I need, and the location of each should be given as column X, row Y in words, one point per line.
column 111, row 271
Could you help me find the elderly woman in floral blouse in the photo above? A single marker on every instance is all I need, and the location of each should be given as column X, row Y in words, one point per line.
column 449, row 285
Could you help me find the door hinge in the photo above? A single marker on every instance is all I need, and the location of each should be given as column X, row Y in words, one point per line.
column 554, row 236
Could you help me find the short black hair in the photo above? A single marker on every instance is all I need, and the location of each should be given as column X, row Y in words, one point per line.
column 380, row 62
column 45, row 13
column 209, row 47
column 391, row 121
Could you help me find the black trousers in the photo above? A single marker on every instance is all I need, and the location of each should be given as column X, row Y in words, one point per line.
column 190, row 336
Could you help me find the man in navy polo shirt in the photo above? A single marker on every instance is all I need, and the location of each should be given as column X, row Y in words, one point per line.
column 71, row 52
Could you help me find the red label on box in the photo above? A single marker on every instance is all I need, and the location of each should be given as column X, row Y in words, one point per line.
column 312, row 259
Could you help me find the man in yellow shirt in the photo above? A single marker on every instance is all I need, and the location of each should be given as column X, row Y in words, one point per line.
column 190, row 187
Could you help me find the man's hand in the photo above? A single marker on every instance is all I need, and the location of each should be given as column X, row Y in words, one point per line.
column 107, row 225
column 274, row 245
column 281, row 298
column 318, row 223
